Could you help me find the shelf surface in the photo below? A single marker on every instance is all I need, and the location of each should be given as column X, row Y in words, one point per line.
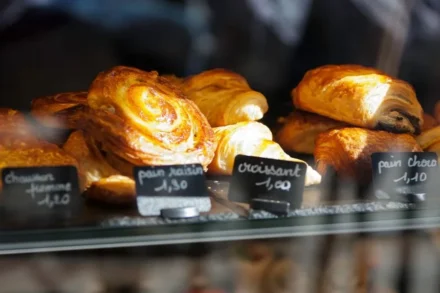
column 87, row 237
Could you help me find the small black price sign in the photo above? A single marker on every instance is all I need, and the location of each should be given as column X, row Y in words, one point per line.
column 404, row 176
column 255, row 177
column 172, row 180
column 41, row 191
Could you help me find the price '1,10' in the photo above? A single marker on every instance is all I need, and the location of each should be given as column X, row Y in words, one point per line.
column 172, row 186
column 418, row 177
column 283, row 185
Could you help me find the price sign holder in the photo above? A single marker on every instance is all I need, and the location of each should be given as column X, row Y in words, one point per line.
column 269, row 179
column 404, row 176
column 172, row 186
column 44, row 194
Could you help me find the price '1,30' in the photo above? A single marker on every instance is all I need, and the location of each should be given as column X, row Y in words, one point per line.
column 283, row 185
column 172, row 185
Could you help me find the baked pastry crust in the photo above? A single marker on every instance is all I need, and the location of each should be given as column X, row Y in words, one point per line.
column 92, row 164
column 145, row 120
column 299, row 130
column 429, row 140
column 64, row 110
column 428, row 122
column 225, row 97
column 115, row 190
column 348, row 150
column 360, row 96
column 251, row 139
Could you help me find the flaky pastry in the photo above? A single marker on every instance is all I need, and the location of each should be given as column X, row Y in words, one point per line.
column 428, row 122
column 34, row 154
column 145, row 120
column 360, row 96
column 115, row 190
column 429, row 140
column 348, row 150
column 93, row 165
column 225, row 97
column 64, row 110
column 299, row 130
column 251, row 139
column 437, row 111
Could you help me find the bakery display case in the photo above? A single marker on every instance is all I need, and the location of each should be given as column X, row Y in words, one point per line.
column 146, row 124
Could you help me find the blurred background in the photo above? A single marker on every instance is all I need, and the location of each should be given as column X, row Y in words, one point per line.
column 50, row 46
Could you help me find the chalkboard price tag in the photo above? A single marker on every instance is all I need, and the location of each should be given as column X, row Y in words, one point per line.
column 404, row 176
column 172, row 180
column 48, row 192
column 255, row 177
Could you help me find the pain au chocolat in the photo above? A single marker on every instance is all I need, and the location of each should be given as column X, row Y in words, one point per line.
column 298, row 131
column 64, row 110
column 348, row 150
column 360, row 96
column 251, row 139
column 144, row 119
column 224, row 97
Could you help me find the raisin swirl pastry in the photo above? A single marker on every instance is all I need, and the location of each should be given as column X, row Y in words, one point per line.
column 251, row 139
column 144, row 119
column 360, row 96
column 225, row 97
column 64, row 110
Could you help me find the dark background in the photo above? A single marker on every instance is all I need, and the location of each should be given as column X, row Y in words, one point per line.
column 51, row 46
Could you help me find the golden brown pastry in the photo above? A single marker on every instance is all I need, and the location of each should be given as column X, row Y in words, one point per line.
column 299, row 130
column 360, row 96
column 63, row 110
column 93, row 165
column 429, row 140
column 428, row 122
column 437, row 111
column 116, row 190
column 34, row 154
column 145, row 120
column 251, row 139
column 348, row 150
column 225, row 97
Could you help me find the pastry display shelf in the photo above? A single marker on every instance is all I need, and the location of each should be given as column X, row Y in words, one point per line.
column 89, row 237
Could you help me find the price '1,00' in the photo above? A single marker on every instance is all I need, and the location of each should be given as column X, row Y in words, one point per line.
column 172, row 186
column 284, row 185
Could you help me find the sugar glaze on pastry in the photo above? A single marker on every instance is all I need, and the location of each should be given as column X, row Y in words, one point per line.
column 225, row 97
column 144, row 119
column 251, row 139
column 360, row 96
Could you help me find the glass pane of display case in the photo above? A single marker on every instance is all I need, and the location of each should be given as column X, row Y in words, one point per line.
column 148, row 123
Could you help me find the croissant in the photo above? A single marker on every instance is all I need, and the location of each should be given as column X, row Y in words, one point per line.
column 299, row 130
column 360, row 96
column 251, row 139
column 225, row 97
column 145, row 120
column 63, row 110
column 348, row 150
